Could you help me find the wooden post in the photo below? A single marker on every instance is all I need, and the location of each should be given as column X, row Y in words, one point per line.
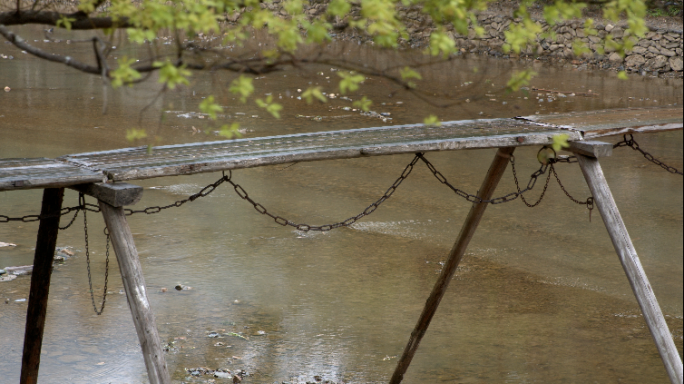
column 40, row 284
column 632, row 265
column 489, row 184
column 112, row 197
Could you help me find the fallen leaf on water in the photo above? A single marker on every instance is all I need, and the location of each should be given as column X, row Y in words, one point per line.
column 7, row 244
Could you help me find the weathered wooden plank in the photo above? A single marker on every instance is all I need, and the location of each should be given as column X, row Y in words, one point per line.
column 136, row 293
column 496, row 171
column 43, row 173
column 138, row 163
column 114, row 194
column 617, row 121
column 632, row 265
column 592, row 148
column 40, row 285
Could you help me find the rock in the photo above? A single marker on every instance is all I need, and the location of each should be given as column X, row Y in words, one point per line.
column 223, row 375
column 594, row 39
column 676, row 63
column 639, row 50
column 21, row 270
column 654, row 50
column 634, row 61
column 7, row 278
column 618, row 33
column 554, row 47
column 609, row 27
column 7, row 89
column 667, row 52
column 615, row 57
column 656, row 62
column 656, row 37
column 644, row 43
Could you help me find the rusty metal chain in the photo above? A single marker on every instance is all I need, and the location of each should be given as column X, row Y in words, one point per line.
column 517, row 186
column 497, row 200
column 635, row 146
column 202, row 193
column 327, row 227
column 589, row 202
column 81, row 200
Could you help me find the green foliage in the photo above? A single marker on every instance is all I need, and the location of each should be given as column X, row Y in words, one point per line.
column 560, row 142
column 124, row 74
column 364, row 104
column 440, row 42
column 209, row 107
column 270, row 107
column 134, row 134
column 622, row 75
column 350, row 81
column 230, row 131
column 314, row 93
column 171, row 75
column 432, row 120
column 408, row 74
column 242, row 86
column 520, row 79
column 65, row 22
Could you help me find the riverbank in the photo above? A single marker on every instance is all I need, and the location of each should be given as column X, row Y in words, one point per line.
column 659, row 53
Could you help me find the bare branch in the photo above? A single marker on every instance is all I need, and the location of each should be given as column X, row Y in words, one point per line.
column 81, row 20
column 66, row 60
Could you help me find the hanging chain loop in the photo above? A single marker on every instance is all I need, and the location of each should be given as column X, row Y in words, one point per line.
column 81, row 200
column 327, row 227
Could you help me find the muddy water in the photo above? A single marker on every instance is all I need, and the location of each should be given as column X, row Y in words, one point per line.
column 539, row 297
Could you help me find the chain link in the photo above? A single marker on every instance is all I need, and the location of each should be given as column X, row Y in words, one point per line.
column 202, row 193
column 81, row 200
column 327, row 227
column 635, row 146
column 476, row 199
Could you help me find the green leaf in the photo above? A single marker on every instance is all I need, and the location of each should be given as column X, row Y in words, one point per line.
column 622, row 75
column 364, row 104
column 209, row 107
column 65, row 22
column 230, row 131
column 432, row 121
column 124, row 74
column 440, row 42
column 338, row 8
column 520, row 79
column 134, row 134
column 314, row 93
column 270, row 107
column 407, row 74
column 242, row 86
column 172, row 75
column 560, row 142
column 350, row 81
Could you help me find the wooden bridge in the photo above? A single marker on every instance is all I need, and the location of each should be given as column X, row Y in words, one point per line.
column 103, row 175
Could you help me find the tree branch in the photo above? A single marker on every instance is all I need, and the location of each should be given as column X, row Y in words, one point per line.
column 81, row 20
column 66, row 60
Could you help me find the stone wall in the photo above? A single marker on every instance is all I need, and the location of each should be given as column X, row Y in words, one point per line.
column 659, row 52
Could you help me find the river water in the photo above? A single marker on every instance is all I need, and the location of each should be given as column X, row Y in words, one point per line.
column 539, row 297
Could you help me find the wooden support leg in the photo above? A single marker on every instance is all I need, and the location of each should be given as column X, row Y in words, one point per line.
column 489, row 184
column 40, row 285
column 112, row 198
column 632, row 266
column 136, row 293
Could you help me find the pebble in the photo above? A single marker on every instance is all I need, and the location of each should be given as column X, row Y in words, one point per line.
column 7, row 89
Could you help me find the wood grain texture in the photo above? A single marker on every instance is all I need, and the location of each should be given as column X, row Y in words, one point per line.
column 43, row 173
column 136, row 293
column 114, row 194
column 632, row 266
column 40, row 285
column 592, row 148
column 496, row 171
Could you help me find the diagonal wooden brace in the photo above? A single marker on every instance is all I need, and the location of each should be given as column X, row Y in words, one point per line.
column 630, row 262
column 112, row 198
column 496, row 170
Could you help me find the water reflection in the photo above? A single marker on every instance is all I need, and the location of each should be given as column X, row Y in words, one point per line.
column 540, row 296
